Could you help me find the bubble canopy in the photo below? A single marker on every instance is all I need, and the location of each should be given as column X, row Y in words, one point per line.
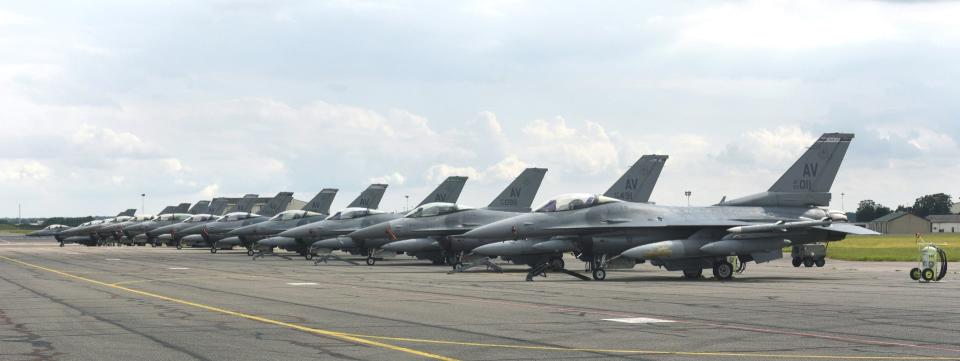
column 435, row 209
column 572, row 201
column 201, row 218
column 350, row 213
column 288, row 215
column 236, row 216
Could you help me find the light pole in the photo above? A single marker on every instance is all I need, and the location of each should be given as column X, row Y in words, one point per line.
column 406, row 206
column 842, row 208
column 143, row 201
column 688, row 194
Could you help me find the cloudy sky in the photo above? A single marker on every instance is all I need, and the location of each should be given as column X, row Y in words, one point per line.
column 103, row 101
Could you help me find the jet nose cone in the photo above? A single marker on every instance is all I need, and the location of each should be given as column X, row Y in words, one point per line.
column 293, row 233
column 371, row 232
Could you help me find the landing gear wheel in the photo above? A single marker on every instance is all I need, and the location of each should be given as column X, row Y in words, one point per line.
column 807, row 262
column 451, row 260
column 179, row 246
column 371, row 261
column 556, row 264
column 250, row 252
column 213, row 249
column 915, row 274
column 693, row 274
column 797, row 262
column 928, row 275
column 308, row 256
column 61, row 244
column 723, row 270
column 820, row 262
column 599, row 274
column 458, row 266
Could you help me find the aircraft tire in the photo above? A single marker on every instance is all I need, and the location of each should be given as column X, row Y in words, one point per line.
column 599, row 274
column 179, row 246
column 308, row 256
column 693, row 274
column 556, row 264
column 723, row 270
column 797, row 261
column 928, row 274
column 371, row 261
column 807, row 262
column 61, row 244
column 213, row 249
column 250, row 252
column 820, row 262
column 915, row 274
column 458, row 266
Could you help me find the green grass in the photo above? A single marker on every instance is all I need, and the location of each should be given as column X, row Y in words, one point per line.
column 890, row 247
column 9, row 228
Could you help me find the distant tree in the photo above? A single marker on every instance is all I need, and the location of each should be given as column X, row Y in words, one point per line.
column 903, row 208
column 72, row 222
column 932, row 204
column 869, row 210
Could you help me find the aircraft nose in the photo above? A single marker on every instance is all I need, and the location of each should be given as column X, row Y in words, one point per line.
column 294, row 233
column 496, row 230
column 371, row 232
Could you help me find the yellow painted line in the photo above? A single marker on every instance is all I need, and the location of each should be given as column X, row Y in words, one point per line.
column 368, row 339
column 332, row 334
column 654, row 352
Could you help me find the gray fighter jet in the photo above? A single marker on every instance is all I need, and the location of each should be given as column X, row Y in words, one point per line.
column 139, row 225
column 88, row 233
column 219, row 207
column 48, row 231
column 424, row 231
column 635, row 185
column 172, row 230
column 324, row 236
column 755, row 228
column 314, row 211
column 201, row 207
column 215, row 233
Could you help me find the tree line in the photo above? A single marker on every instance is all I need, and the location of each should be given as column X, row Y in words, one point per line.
column 930, row 204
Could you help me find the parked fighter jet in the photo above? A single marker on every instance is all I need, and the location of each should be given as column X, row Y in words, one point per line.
column 48, row 231
column 753, row 228
column 314, row 211
column 218, row 207
column 87, row 233
column 201, row 207
column 143, row 223
column 171, row 230
column 424, row 231
column 324, row 237
column 215, row 233
column 635, row 185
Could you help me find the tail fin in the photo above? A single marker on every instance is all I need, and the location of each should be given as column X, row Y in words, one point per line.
column 808, row 181
column 370, row 197
column 218, row 206
column 321, row 203
column 637, row 183
column 200, row 207
column 167, row 209
column 129, row 212
column 448, row 191
column 182, row 208
column 817, row 168
column 276, row 204
column 246, row 203
column 518, row 196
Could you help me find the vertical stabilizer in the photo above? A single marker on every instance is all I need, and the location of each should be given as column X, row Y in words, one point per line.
column 128, row 213
column 817, row 168
column 201, row 207
column 637, row 183
column 448, row 191
column 322, row 201
column 167, row 209
column 276, row 204
column 182, row 208
column 218, row 206
column 518, row 196
column 370, row 197
column 247, row 203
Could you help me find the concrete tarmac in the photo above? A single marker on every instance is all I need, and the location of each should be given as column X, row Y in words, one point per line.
column 144, row 303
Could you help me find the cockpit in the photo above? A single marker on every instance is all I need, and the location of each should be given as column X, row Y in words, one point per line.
column 435, row 209
column 569, row 202
column 54, row 227
column 142, row 218
column 291, row 215
column 196, row 218
column 236, row 216
column 350, row 213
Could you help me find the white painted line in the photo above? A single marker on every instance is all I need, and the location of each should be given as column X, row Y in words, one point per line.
column 113, row 259
column 178, row 268
column 638, row 320
column 301, row 283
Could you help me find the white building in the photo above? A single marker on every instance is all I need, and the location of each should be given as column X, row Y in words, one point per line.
column 944, row 223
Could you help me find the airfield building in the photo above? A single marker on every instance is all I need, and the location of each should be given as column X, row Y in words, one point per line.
column 944, row 223
column 900, row 223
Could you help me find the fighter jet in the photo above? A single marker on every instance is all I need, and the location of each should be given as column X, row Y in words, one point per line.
column 48, row 231
column 171, row 230
column 215, row 233
column 324, row 236
column 314, row 211
column 423, row 232
column 689, row 239
column 635, row 185
column 218, row 207
column 87, row 233
column 201, row 207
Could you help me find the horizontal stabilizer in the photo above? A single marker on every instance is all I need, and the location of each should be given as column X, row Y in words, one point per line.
column 848, row 228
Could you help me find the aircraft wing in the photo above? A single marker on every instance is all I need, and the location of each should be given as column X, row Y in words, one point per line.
column 848, row 229
column 614, row 225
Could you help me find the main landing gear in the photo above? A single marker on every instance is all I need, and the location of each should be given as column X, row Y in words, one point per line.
column 723, row 270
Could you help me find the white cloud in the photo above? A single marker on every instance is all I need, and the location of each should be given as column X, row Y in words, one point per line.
column 210, row 191
column 437, row 173
column 23, row 170
column 394, row 179
column 8, row 17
